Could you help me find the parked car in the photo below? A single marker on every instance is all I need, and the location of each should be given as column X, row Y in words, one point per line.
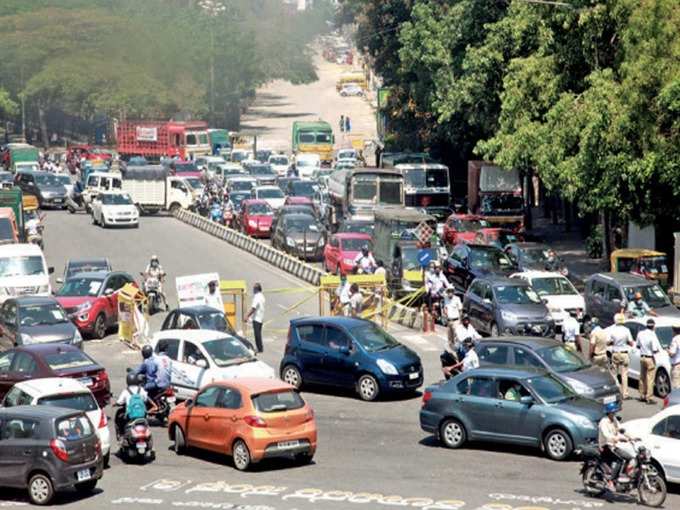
column 85, row 265
column 53, row 360
column 254, row 420
column 550, row 355
column 300, row 235
column 201, row 357
column 536, row 257
column 349, row 353
column 270, row 194
column 661, row 436
column 280, row 163
column 558, row 293
column 47, row 450
column 35, row 320
column 66, row 393
column 351, row 89
column 462, row 228
column 469, row 261
column 255, row 218
column 91, row 300
column 342, row 249
column 44, row 186
column 113, row 208
column 507, row 306
column 607, row 293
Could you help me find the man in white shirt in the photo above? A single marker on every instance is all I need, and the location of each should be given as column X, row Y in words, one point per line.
column 380, row 270
column 435, row 284
column 452, row 311
column 674, row 353
column 622, row 342
column 571, row 332
column 343, row 296
column 213, row 299
column 610, row 439
column 365, row 261
column 356, row 300
column 469, row 362
column 257, row 313
column 648, row 344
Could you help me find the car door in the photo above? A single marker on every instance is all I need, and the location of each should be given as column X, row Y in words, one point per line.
column 472, row 302
column 200, row 414
column 634, row 352
column 6, row 382
column 338, row 362
column 170, row 321
column 491, row 354
column 456, row 270
column 478, row 401
column 333, row 253
column 312, row 351
column 487, row 308
column 18, row 446
column 664, row 442
column 191, row 374
column 515, row 421
column 23, row 368
column 595, row 301
column 228, row 419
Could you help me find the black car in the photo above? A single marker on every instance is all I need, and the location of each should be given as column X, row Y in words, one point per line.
column 48, row 449
column 300, row 188
column 300, row 235
column 357, row 226
column 535, row 257
column 263, row 172
column 36, row 320
column 287, row 210
column 89, row 265
column 469, row 261
column 44, row 186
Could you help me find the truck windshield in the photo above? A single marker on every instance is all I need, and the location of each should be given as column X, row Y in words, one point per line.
column 6, row 230
column 306, row 138
column 21, row 266
column 323, row 138
column 427, row 177
column 364, row 189
column 390, row 192
column 499, row 204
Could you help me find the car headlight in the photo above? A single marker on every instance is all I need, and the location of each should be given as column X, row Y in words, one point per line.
column 84, row 306
column 252, row 223
column 26, row 339
column 508, row 316
column 290, row 242
column 584, row 422
column 580, row 388
column 77, row 337
column 386, row 367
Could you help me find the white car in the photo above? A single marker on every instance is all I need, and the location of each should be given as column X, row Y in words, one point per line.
column 270, row 194
column 209, row 164
column 661, row 436
column 307, row 163
column 351, row 89
column 347, row 155
column 200, row 357
column 65, row 181
column 560, row 294
column 63, row 392
column 280, row 163
column 113, row 208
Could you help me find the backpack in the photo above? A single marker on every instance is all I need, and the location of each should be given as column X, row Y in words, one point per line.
column 135, row 408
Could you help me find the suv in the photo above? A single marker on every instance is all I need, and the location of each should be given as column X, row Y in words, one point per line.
column 48, row 449
column 469, row 261
column 607, row 293
column 507, row 306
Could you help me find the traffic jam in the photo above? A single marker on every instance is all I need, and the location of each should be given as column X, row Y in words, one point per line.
column 534, row 354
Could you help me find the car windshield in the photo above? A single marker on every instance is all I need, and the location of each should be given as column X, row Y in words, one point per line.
column 653, row 265
column 302, row 189
column 46, row 314
column 550, row 389
column 270, row 193
column 80, row 401
column 227, row 351
column 469, row 225
column 260, row 170
column 553, row 286
column 260, row 210
column 278, row 160
column 274, row 402
column 561, row 360
column 194, row 182
column 665, row 335
column 516, row 295
column 361, row 228
column 116, row 199
column 80, row 287
column 46, row 179
column 237, row 198
column 63, row 179
column 68, row 360
column 301, row 224
column 499, row 204
column 242, row 185
column 347, row 155
column 489, row 259
column 355, row 244
column 86, row 267
column 535, row 255
column 21, row 266
column 6, row 229
column 653, row 295
column 214, row 321
column 373, row 338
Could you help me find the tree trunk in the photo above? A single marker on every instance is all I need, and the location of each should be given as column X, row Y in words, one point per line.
column 607, row 235
column 42, row 119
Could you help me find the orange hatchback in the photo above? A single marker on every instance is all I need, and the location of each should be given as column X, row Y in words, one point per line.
column 249, row 419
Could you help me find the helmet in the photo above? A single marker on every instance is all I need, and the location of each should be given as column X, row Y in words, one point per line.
column 154, row 257
column 619, row 318
column 364, row 249
column 611, row 407
column 141, row 379
column 131, row 379
column 147, row 351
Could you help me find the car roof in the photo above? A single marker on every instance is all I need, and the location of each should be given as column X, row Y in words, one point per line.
column 47, row 412
column 114, row 193
column 192, row 335
column 196, row 309
column 47, row 348
column 660, row 321
column 250, row 201
column 297, row 215
column 527, row 244
column 93, row 275
column 20, row 249
column 255, row 385
column 353, row 235
column 268, row 186
column 515, row 372
column 622, row 278
column 539, row 274
column 52, row 386
column 503, row 280
column 35, row 300
column 85, row 261
column 347, row 322
column 527, row 341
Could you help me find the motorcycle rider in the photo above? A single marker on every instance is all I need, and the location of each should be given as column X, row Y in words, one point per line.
column 435, row 285
column 610, row 439
column 155, row 270
column 156, row 370
column 365, row 261
column 134, row 386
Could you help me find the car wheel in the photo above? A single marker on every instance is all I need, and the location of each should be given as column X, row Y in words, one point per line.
column 292, row 376
column 452, row 433
column 558, row 444
column 494, row 330
column 302, row 459
column 100, row 326
column 368, row 388
column 662, row 383
column 40, row 489
column 241, row 455
column 88, row 486
column 180, row 442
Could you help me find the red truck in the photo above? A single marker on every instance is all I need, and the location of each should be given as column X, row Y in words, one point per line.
column 495, row 195
column 156, row 139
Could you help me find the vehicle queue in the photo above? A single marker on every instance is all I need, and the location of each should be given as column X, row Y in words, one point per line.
column 534, row 381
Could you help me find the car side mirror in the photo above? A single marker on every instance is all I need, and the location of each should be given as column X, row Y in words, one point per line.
column 108, row 292
column 201, row 363
column 50, row 270
column 60, row 280
column 487, row 301
column 527, row 400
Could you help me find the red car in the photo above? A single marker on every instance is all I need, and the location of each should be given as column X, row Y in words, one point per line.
column 91, row 300
column 462, row 228
column 342, row 249
column 255, row 218
column 53, row 360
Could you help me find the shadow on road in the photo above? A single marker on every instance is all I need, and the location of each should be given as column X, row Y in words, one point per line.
column 263, row 466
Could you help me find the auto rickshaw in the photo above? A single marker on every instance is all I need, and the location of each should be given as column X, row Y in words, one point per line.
column 650, row 264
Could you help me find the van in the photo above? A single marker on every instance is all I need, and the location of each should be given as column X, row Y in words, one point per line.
column 9, row 232
column 23, row 271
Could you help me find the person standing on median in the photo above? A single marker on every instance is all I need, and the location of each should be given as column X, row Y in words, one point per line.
column 648, row 344
column 257, row 313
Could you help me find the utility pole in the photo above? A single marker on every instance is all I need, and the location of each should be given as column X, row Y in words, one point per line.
column 213, row 8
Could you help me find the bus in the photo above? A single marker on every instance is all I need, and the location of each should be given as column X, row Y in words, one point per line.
column 314, row 137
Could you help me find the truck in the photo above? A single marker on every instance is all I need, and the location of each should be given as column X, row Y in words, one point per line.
column 21, row 156
column 157, row 139
column 152, row 189
column 355, row 193
column 13, row 199
column 314, row 137
column 496, row 195
column 219, row 142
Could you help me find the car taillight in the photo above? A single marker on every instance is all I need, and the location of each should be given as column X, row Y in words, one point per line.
column 427, row 396
column 310, row 415
column 98, row 447
column 102, row 421
column 170, row 391
column 255, row 421
column 59, row 449
column 103, row 376
column 666, row 401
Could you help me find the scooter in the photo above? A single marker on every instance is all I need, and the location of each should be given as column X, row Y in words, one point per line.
column 136, row 443
column 151, row 288
column 216, row 213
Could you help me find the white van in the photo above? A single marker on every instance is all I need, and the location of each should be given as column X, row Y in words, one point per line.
column 307, row 163
column 23, row 271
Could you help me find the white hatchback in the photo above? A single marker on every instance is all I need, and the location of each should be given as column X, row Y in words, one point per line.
column 63, row 392
column 270, row 194
column 114, row 208
column 559, row 293
column 201, row 357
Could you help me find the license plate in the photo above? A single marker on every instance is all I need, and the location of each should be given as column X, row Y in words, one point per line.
column 289, row 444
column 87, row 381
column 609, row 399
column 83, row 474
column 58, row 200
column 413, row 375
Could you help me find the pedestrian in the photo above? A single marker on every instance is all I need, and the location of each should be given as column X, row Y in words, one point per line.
column 213, row 298
column 648, row 344
column 342, row 123
column 621, row 341
column 452, row 312
column 342, row 295
column 598, row 344
column 348, row 125
column 674, row 353
column 356, row 300
column 257, row 313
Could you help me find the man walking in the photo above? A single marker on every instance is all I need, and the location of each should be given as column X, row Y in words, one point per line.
column 648, row 344
column 257, row 313
column 621, row 341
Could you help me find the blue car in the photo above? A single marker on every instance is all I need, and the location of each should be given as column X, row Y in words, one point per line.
column 348, row 353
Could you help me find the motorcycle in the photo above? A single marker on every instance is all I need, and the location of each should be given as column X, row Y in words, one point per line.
column 136, row 443
column 75, row 203
column 641, row 476
column 151, row 288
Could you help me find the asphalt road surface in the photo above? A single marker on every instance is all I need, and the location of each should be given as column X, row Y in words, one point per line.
column 370, row 455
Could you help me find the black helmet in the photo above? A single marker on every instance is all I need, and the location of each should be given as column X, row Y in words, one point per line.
column 147, row 351
column 131, row 379
column 141, row 379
